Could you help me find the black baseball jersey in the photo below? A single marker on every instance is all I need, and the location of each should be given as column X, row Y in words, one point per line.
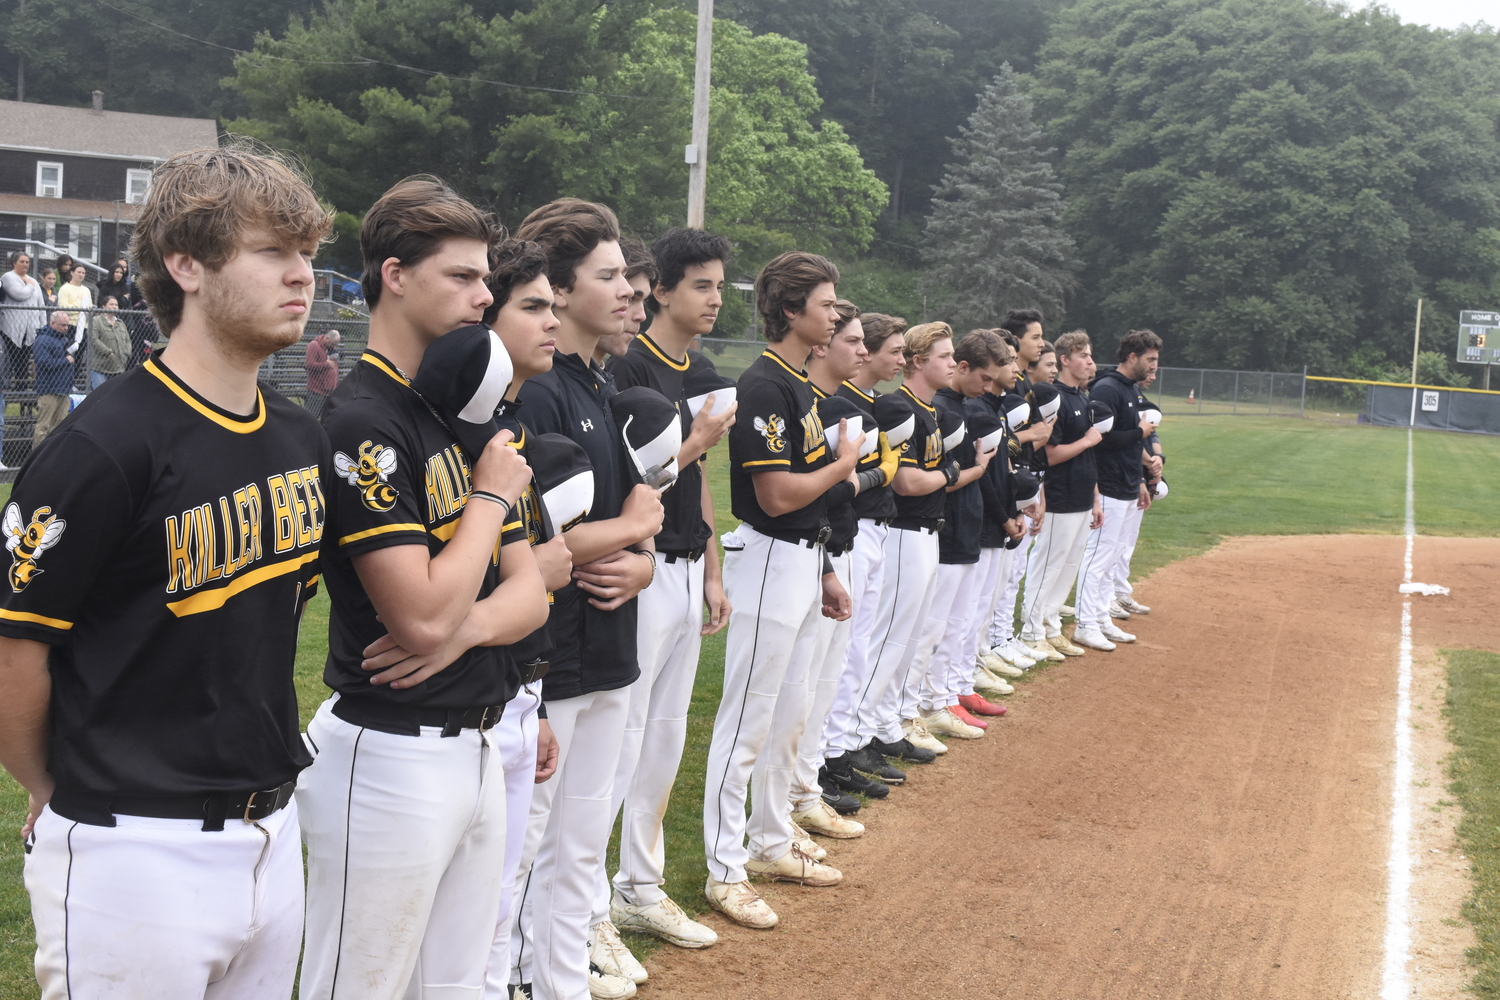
column 963, row 508
column 923, row 450
column 1070, row 485
column 163, row 548
column 840, row 513
column 400, row 478
column 592, row 650
column 537, row 645
column 878, row 503
column 683, row 528
column 776, row 428
column 1118, row 456
column 994, row 485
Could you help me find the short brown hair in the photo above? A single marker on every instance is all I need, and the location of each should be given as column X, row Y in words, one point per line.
column 200, row 202
column 919, row 341
column 981, row 348
column 1071, row 343
column 879, row 328
column 410, row 222
column 638, row 260
column 848, row 313
column 1139, row 342
column 1047, row 349
column 785, row 283
column 569, row 229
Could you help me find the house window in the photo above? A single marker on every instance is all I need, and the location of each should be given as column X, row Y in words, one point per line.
column 80, row 239
column 49, row 177
column 137, row 183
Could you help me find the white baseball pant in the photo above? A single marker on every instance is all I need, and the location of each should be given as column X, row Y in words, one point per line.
column 911, row 563
column 1003, row 621
column 866, row 571
column 668, row 637
column 405, row 848
column 928, row 685
column 989, row 578
column 1100, row 564
column 1051, row 568
column 515, row 740
column 162, row 908
column 827, row 659
column 775, row 590
column 1133, row 518
column 566, row 836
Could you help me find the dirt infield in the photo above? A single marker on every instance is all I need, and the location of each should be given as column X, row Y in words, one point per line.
column 1205, row 814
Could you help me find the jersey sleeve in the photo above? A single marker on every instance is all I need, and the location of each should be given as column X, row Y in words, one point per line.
column 376, row 490
column 762, row 435
column 541, row 409
column 68, row 514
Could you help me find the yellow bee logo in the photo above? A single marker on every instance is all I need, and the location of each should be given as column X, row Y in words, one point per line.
column 27, row 543
column 773, row 430
column 369, row 474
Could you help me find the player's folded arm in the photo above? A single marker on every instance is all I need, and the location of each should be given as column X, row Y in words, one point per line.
column 516, row 608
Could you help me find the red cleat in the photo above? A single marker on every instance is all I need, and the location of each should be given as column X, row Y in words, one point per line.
column 964, row 715
column 978, row 704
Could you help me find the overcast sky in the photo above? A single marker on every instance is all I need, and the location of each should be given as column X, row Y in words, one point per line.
column 1445, row 13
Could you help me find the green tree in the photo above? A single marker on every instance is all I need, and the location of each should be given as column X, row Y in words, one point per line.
column 994, row 239
column 1271, row 183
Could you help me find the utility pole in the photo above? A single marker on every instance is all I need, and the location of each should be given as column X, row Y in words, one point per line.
column 21, row 62
column 1416, row 346
column 696, row 154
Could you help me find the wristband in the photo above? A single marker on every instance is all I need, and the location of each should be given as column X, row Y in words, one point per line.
column 492, row 498
column 652, row 557
column 950, row 472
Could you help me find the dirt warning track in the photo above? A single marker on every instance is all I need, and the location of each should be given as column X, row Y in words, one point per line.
column 1204, row 814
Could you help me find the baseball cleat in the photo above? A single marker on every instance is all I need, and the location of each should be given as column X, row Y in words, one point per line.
column 741, row 903
column 1114, row 633
column 1092, row 638
column 1063, row 646
column 1068, row 611
column 520, row 991
column 823, row 820
column 979, row 705
column 608, row 954
column 905, row 749
column 806, row 844
column 838, row 800
column 796, row 866
column 841, row 770
column 1116, row 611
column 872, row 764
column 1133, row 606
column 1044, row 650
column 663, row 919
column 603, row 986
column 944, row 723
column 918, row 735
column 1017, row 654
column 997, row 665
column 986, row 681
column 965, row 716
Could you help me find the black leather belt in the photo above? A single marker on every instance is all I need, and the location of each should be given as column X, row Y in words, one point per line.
column 534, row 671
column 838, row 550
column 408, row 720
column 212, row 808
column 799, row 539
column 931, row 525
column 681, row 555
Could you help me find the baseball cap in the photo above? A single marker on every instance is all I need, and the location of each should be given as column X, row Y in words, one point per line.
column 703, row 380
column 1151, row 414
column 985, row 427
column 463, row 376
column 1016, row 410
column 1024, row 487
column 1045, row 400
column 832, row 409
column 895, row 416
column 652, row 430
column 951, row 426
column 1101, row 416
column 564, row 477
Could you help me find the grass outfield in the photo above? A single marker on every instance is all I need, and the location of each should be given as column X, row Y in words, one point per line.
column 1228, row 476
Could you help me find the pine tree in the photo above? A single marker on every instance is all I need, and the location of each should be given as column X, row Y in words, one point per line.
column 994, row 240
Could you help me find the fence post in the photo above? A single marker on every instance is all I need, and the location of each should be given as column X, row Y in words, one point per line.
column 1200, row 391
column 1302, row 407
column 1235, row 408
column 1271, row 402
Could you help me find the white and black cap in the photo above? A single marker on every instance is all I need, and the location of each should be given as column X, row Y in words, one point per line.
column 1101, row 416
column 895, row 417
column 564, row 478
column 1150, row 415
column 463, row 376
column 951, row 426
column 652, row 430
column 832, row 409
column 984, row 427
column 1017, row 411
column 1024, row 488
column 1045, row 400
column 702, row 381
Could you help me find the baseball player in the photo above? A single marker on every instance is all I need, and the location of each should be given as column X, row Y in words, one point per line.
column 640, row 271
column 404, row 805
column 164, row 541
column 781, row 468
column 1125, row 604
column 593, row 620
column 1073, row 507
column 686, row 298
column 1123, row 494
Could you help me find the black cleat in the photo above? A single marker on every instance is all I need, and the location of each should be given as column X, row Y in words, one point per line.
column 841, row 770
column 870, row 763
column 839, row 801
column 904, row 749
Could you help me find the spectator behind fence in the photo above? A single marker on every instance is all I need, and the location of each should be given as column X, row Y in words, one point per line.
column 19, row 324
column 49, row 286
column 109, row 346
column 54, row 376
column 117, row 284
column 76, row 296
column 322, row 367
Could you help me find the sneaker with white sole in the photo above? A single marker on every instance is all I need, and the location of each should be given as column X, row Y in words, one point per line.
column 806, row 844
column 1114, row 633
column 1064, row 646
column 1044, row 651
column 944, row 723
column 741, row 903
column 998, row 666
column 825, row 822
column 663, row 919
column 1092, row 638
column 1020, row 654
column 1116, row 611
column 603, row 986
column 1133, row 606
column 1068, row 611
column 988, row 683
column 796, row 865
column 609, row 954
column 919, row 735
column 986, row 658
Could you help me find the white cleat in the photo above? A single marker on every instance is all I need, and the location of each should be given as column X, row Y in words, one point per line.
column 1114, row 633
column 796, row 866
column 610, row 956
column 1068, row 611
column 663, row 919
column 1116, row 611
column 1133, row 606
column 1021, row 655
column 741, row 903
column 945, row 723
column 806, row 844
column 920, row 736
column 603, row 986
column 822, row 820
column 1091, row 638
column 988, row 683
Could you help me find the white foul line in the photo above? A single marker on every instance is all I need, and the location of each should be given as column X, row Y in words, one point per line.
column 1394, row 983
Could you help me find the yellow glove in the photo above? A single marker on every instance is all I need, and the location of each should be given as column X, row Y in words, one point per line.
column 889, row 459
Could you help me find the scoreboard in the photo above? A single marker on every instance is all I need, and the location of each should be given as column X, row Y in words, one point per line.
column 1479, row 337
